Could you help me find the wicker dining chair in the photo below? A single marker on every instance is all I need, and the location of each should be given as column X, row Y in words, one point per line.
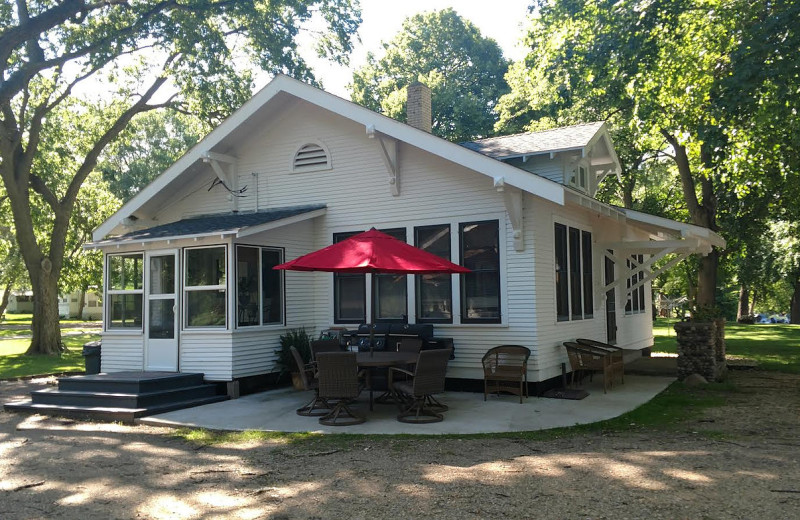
column 338, row 377
column 323, row 345
column 415, row 396
column 318, row 406
column 505, row 369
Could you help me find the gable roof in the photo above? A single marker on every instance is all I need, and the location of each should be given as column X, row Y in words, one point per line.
column 276, row 92
column 561, row 139
column 239, row 224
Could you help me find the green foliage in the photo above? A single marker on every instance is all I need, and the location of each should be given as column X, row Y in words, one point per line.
column 53, row 139
column 448, row 53
column 151, row 144
column 774, row 346
column 14, row 363
column 299, row 339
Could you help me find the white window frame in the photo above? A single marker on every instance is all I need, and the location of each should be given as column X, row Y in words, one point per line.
column 112, row 292
column 191, row 288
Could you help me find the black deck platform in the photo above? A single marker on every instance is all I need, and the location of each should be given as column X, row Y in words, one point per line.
column 120, row 396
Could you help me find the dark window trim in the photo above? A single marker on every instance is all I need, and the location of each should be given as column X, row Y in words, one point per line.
column 463, row 277
column 574, row 268
column 374, row 282
column 417, row 278
column 338, row 237
column 260, row 248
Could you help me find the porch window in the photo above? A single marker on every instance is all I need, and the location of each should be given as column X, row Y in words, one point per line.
column 635, row 303
column 125, row 290
column 390, row 291
column 434, row 291
column 349, row 303
column 205, row 287
column 573, row 273
column 480, row 288
column 259, row 288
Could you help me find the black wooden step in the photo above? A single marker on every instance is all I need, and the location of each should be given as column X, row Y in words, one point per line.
column 129, row 382
column 107, row 413
column 121, row 396
column 121, row 400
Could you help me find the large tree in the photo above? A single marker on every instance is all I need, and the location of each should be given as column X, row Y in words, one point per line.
column 463, row 68
column 151, row 144
column 660, row 64
column 49, row 49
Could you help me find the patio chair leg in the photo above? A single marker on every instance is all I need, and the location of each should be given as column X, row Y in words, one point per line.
column 341, row 410
column 317, row 407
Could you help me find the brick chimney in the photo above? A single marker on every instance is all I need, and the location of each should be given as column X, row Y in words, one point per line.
column 418, row 106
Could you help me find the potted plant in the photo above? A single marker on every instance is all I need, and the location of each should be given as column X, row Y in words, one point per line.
column 299, row 339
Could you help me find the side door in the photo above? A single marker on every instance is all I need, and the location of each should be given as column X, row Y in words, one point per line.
column 161, row 311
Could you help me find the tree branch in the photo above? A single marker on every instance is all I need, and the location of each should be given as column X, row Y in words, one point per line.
column 90, row 161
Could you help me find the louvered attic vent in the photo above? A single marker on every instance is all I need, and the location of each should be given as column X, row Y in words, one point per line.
column 311, row 157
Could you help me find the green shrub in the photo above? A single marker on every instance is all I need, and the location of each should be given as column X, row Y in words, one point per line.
column 299, row 339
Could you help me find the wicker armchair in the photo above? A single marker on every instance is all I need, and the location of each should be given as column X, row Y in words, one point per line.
column 505, row 368
column 584, row 358
column 415, row 396
column 317, row 406
column 615, row 352
column 339, row 380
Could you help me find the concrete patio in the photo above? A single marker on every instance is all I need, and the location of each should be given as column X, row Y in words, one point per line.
column 275, row 411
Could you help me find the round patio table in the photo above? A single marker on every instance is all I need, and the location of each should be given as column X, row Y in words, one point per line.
column 370, row 360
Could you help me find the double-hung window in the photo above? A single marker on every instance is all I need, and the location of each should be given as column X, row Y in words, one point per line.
column 434, row 292
column 205, row 286
column 259, row 288
column 480, row 288
column 125, row 290
column 389, row 291
column 349, row 303
column 573, row 273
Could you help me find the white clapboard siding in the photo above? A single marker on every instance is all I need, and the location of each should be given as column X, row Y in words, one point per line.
column 358, row 195
column 543, row 165
column 121, row 352
column 208, row 352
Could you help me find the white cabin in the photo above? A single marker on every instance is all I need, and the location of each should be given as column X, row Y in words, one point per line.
column 189, row 285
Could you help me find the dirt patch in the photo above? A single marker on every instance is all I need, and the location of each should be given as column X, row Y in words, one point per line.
column 740, row 460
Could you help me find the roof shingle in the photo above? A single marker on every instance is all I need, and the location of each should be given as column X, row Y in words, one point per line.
column 532, row 143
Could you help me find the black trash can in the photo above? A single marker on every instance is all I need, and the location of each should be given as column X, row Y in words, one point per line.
column 91, row 354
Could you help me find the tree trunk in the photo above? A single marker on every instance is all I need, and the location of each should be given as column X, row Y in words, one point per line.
column 744, row 302
column 81, row 304
column 703, row 213
column 46, row 332
column 753, row 301
column 707, row 279
column 794, row 312
column 6, row 296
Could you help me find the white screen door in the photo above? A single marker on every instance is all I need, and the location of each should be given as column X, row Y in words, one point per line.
column 161, row 323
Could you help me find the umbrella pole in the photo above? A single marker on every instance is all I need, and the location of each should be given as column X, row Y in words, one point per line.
column 371, row 339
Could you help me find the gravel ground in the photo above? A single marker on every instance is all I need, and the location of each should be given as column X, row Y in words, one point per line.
column 58, row 468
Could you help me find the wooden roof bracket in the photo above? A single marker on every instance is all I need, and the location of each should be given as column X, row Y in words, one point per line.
column 389, row 155
column 512, row 197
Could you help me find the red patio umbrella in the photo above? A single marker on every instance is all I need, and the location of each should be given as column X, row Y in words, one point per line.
column 372, row 252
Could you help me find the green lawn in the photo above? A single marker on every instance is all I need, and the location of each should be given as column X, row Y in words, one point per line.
column 25, row 319
column 13, row 362
column 774, row 346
